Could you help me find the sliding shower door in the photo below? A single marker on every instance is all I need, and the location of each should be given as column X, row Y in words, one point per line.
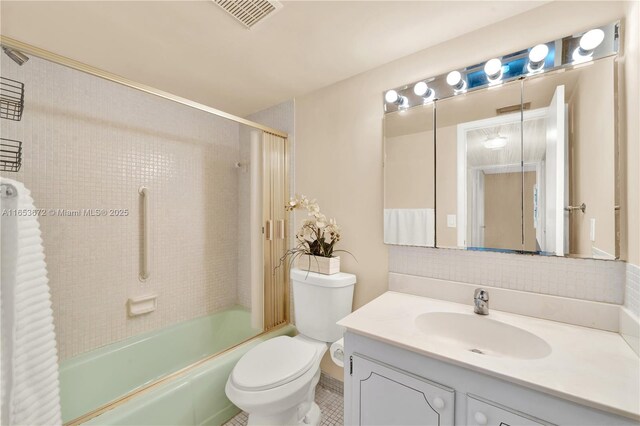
column 189, row 270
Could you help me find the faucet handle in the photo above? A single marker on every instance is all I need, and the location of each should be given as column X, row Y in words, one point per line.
column 481, row 294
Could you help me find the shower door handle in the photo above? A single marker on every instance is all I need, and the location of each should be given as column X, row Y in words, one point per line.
column 280, row 229
column 268, row 230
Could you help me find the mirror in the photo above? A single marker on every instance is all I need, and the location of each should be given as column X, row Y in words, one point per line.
column 409, row 202
column 524, row 152
column 479, row 182
column 572, row 149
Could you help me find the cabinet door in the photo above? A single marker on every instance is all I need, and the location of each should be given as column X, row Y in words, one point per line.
column 383, row 395
column 481, row 412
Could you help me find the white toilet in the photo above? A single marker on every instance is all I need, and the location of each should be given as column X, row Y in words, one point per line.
column 275, row 381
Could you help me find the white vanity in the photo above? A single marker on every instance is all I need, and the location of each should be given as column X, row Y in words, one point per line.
column 413, row 360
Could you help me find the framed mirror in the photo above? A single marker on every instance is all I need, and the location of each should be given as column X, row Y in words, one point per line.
column 409, row 190
column 479, row 180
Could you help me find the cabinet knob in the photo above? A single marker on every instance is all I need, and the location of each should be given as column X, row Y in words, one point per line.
column 480, row 418
column 438, row 403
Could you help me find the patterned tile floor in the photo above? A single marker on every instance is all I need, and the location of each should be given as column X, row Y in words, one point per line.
column 331, row 405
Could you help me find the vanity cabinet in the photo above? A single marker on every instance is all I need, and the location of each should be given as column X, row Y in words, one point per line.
column 390, row 385
column 387, row 396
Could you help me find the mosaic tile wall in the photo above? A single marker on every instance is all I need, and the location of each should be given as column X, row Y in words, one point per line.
column 602, row 281
column 89, row 144
column 632, row 291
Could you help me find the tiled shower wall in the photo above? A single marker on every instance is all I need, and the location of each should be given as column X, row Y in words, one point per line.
column 90, row 144
column 598, row 280
column 632, row 291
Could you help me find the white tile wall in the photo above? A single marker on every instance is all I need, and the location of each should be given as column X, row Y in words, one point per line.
column 90, row 143
column 632, row 290
column 588, row 279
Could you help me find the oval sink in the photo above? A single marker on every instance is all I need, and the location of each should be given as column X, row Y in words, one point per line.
column 481, row 335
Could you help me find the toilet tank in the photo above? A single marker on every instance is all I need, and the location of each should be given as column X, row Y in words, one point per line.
column 320, row 301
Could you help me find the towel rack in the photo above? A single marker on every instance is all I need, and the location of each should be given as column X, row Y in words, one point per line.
column 11, row 99
column 144, row 248
column 10, row 155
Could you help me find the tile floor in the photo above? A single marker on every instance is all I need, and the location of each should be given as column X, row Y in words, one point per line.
column 330, row 403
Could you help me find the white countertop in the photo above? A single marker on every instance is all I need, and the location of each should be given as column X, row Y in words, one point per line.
column 591, row 367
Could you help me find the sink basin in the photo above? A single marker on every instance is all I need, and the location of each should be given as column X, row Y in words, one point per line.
column 481, row 335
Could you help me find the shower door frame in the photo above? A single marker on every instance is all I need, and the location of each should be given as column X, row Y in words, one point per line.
column 274, row 317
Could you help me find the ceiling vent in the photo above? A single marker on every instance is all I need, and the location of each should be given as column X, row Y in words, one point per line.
column 249, row 12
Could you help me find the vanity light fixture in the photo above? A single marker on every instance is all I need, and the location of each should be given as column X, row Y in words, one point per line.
column 495, row 143
column 493, row 70
column 393, row 97
column 562, row 53
column 537, row 56
column 424, row 91
column 588, row 43
column 455, row 80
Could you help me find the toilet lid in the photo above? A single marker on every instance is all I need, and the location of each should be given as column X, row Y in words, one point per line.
column 273, row 363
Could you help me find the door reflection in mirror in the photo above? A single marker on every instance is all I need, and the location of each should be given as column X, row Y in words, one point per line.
column 579, row 161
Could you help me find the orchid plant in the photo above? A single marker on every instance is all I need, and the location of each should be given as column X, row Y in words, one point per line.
column 317, row 235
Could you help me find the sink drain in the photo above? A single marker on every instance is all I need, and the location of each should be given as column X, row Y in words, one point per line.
column 476, row 351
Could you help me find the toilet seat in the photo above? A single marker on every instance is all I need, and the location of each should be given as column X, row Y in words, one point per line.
column 273, row 363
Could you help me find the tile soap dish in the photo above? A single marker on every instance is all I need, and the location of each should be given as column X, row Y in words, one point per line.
column 141, row 305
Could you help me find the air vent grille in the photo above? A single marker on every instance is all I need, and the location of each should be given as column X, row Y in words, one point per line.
column 249, row 12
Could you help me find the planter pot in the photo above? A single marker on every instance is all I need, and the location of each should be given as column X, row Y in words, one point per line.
column 322, row 265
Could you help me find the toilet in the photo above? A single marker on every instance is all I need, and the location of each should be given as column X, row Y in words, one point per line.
column 275, row 381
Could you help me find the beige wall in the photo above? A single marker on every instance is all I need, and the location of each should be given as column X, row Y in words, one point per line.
column 339, row 128
column 629, row 131
column 408, row 175
column 447, row 181
column 592, row 161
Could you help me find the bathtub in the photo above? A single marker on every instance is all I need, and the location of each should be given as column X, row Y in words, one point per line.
column 192, row 397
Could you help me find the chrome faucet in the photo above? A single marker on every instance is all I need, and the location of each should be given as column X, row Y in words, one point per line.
column 481, row 302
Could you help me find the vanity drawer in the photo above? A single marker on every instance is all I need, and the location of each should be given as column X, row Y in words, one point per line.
column 481, row 412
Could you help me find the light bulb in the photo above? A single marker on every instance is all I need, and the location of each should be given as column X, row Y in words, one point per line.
column 420, row 88
column 454, row 79
column 493, row 69
column 538, row 53
column 591, row 39
column 423, row 90
column 391, row 97
column 537, row 56
column 588, row 42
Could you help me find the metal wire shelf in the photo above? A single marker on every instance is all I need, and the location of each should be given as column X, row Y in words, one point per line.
column 11, row 99
column 10, row 155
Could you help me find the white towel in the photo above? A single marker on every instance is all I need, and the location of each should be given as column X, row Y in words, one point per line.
column 409, row 227
column 30, row 390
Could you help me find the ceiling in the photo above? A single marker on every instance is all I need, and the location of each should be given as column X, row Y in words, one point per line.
column 195, row 50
